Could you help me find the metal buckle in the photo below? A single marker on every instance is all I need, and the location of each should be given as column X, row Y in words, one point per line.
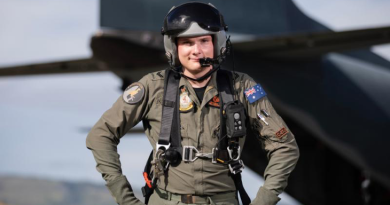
column 188, row 153
column 189, row 156
column 238, row 166
column 166, row 147
column 231, row 152
column 160, row 151
column 214, row 158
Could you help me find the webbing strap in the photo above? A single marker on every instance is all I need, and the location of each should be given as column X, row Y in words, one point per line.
column 224, row 79
column 170, row 118
column 226, row 92
column 225, row 88
column 241, row 190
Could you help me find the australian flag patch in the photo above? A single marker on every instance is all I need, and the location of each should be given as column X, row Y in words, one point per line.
column 254, row 93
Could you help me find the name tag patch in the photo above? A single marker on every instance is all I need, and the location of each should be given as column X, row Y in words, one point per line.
column 254, row 93
column 279, row 134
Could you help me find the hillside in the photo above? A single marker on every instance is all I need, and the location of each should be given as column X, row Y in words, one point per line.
column 32, row 191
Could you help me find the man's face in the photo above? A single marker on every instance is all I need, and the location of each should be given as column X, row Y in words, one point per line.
column 190, row 49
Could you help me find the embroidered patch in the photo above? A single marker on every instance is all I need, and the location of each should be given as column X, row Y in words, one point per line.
column 134, row 93
column 254, row 93
column 279, row 134
column 215, row 102
column 186, row 104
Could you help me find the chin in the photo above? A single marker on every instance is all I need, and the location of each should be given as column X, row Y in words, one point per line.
column 194, row 67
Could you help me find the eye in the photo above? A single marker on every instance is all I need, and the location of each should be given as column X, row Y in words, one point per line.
column 185, row 42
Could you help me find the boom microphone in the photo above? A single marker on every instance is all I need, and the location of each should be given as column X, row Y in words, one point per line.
column 206, row 62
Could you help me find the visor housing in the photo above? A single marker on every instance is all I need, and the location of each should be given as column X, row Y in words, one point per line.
column 180, row 18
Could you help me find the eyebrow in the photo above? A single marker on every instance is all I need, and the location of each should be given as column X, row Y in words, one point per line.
column 183, row 39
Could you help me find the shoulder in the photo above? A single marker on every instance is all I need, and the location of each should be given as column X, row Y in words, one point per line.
column 153, row 80
column 243, row 80
column 147, row 85
column 248, row 88
column 150, row 77
column 155, row 76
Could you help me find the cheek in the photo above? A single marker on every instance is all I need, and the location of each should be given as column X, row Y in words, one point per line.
column 209, row 50
column 210, row 53
column 182, row 51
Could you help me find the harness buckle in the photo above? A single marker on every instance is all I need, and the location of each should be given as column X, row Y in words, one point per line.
column 160, row 152
column 214, row 157
column 162, row 146
column 190, row 154
column 236, row 167
column 230, row 151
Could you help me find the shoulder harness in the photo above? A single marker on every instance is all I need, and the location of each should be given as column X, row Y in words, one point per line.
column 169, row 150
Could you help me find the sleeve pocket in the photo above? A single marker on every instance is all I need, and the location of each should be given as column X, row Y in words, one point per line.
column 275, row 130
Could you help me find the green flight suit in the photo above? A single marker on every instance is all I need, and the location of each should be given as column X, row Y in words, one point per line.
column 199, row 128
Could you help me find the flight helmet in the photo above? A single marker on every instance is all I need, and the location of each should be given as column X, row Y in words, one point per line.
column 190, row 20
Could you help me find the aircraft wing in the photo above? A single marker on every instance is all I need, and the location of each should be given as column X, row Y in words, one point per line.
column 128, row 53
column 307, row 45
column 71, row 66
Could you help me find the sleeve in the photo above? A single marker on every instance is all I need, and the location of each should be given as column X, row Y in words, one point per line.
column 105, row 135
column 277, row 140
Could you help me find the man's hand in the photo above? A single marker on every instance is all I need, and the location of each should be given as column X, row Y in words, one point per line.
column 265, row 197
column 122, row 192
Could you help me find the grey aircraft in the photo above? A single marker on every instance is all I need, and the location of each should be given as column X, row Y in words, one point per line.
column 332, row 91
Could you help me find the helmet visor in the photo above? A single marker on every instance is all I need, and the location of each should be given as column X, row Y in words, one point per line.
column 181, row 17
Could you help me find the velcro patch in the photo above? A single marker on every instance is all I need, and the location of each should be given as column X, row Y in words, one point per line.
column 279, row 134
column 215, row 102
column 134, row 93
column 186, row 104
column 254, row 93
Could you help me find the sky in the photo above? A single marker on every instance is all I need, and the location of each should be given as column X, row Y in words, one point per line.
column 43, row 118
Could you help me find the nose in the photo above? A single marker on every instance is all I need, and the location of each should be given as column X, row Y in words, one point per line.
column 197, row 49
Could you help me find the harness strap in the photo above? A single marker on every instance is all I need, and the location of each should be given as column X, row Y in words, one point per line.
column 226, row 91
column 170, row 125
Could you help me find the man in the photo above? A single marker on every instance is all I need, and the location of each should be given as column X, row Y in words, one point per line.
column 202, row 167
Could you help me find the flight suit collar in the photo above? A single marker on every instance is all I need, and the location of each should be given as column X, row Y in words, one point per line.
column 210, row 92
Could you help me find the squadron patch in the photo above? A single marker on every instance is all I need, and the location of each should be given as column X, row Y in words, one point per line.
column 134, row 93
column 186, row 104
column 279, row 134
column 215, row 102
column 254, row 93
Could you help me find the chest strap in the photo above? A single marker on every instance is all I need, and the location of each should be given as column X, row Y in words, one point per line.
column 169, row 140
column 232, row 116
